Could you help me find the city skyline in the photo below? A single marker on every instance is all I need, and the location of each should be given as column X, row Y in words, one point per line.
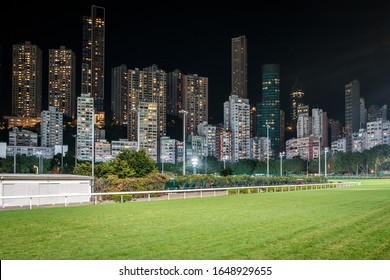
column 325, row 49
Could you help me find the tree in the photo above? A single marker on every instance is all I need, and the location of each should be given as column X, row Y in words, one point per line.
column 244, row 166
column 83, row 168
column 139, row 161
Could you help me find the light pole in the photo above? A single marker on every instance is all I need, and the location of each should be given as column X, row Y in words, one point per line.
column 162, row 164
column 62, row 150
column 93, row 145
column 194, row 161
column 281, row 155
column 75, row 149
column 225, row 157
column 138, row 127
column 40, row 167
column 184, row 112
column 326, row 167
column 15, row 152
column 319, row 155
column 267, row 126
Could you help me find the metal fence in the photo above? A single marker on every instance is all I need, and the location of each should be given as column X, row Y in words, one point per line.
column 95, row 198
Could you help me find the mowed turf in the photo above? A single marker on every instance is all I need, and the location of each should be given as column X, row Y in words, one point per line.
column 344, row 223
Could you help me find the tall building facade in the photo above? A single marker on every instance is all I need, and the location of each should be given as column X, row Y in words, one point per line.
column 174, row 92
column 239, row 67
column 148, row 85
column 195, row 91
column 352, row 111
column 62, row 81
column 210, row 134
column 224, row 145
column 93, row 56
column 237, row 120
column 148, row 128
column 296, row 100
column 119, row 85
column 335, row 130
column 26, row 80
column 167, row 150
column 363, row 113
column 269, row 108
column 51, row 127
column 85, row 127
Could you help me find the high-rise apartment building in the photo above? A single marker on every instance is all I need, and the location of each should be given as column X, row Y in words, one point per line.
column 148, row 129
column 224, row 145
column 319, row 125
column 352, row 111
column 148, row 85
column 268, row 111
column 62, row 81
column 26, row 80
column 195, row 91
column 85, row 127
column 51, row 127
column 296, row 100
column 93, row 56
column 210, row 134
column 363, row 113
column 239, row 67
column 237, row 120
column 167, row 150
column 335, row 130
column 174, row 92
column 119, row 92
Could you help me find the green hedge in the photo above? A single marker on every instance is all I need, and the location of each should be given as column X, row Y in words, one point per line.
column 212, row 181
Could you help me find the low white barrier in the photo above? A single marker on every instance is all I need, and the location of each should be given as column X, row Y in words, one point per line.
column 69, row 198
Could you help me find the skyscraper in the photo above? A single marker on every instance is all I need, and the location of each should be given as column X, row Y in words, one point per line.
column 195, row 91
column 62, row 81
column 174, row 92
column 268, row 111
column 85, row 130
column 26, row 80
column 119, row 85
column 237, row 120
column 148, row 85
column 363, row 113
column 51, row 127
column 93, row 56
column 296, row 99
column 352, row 111
column 239, row 67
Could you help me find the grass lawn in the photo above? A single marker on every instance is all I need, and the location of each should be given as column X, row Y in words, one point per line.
column 346, row 223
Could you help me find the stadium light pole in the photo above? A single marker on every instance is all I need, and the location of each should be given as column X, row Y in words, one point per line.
column 319, row 155
column 281, row 154
column 267, row 126
column 184, row 112
column 326, row 167
column 15, row 152
column 138, row 128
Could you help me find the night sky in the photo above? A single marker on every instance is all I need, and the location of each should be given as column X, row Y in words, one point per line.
column 326, row 46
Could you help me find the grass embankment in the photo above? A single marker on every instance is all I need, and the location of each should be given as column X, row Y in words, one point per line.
column 345, row 223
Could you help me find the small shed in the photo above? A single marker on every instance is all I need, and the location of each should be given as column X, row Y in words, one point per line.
column 44, row 189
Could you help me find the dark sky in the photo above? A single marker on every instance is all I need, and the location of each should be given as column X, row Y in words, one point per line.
column 325, row 45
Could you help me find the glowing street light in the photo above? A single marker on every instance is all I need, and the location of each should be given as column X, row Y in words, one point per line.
column 225, row 158
column 194, row 161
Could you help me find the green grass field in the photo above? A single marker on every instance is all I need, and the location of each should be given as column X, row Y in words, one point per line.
column 346, row 223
